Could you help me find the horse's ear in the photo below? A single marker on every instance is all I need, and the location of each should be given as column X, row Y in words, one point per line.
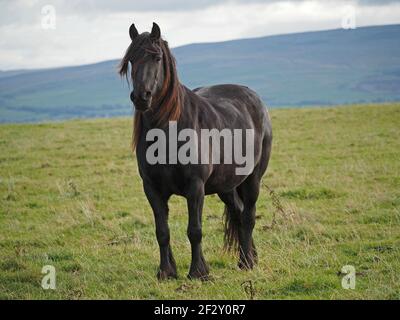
column 133, row 33
column 155, row 32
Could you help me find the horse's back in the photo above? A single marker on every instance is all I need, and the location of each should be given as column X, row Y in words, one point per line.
column 233, row 101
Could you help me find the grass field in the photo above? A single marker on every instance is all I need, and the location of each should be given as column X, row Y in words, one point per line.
column 71, row 197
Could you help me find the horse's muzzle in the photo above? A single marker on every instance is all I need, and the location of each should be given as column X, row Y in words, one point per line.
column 140, row 104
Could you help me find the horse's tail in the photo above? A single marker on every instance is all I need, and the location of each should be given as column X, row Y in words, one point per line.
column 231, row 228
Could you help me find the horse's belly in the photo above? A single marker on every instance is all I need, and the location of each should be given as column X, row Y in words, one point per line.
column 223, row 179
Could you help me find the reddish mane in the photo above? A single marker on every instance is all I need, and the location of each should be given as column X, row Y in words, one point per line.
column 167, row 105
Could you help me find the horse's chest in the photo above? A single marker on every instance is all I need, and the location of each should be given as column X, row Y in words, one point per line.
column 169, row 178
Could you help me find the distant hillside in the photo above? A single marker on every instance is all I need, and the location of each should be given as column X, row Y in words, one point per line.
column 313, row 68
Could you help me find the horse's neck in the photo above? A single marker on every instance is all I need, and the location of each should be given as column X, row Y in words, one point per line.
column 147, row 121
column 149, row 118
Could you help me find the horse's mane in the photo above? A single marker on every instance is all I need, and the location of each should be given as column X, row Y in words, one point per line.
column 169, row 102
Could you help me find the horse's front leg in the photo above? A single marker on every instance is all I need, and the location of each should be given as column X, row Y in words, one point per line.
column 159, row 205
column 195, row 200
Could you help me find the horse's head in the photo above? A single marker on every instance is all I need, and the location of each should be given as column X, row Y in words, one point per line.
column 145, row 56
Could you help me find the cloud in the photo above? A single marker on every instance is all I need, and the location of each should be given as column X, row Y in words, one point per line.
column 23, row 11
column 91, row 31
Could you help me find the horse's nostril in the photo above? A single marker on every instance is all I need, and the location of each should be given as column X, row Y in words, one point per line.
column 146, row 95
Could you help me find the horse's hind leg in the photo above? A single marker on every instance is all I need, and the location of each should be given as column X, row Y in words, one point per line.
column 240, row 221
column 248, row 192
column 159, row 205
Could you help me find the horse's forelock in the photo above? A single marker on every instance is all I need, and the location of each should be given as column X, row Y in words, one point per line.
column 132, row 54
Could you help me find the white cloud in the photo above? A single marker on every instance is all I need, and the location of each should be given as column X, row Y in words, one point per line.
column 84, row 36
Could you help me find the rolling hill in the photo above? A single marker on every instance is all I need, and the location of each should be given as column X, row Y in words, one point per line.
column 304, row 69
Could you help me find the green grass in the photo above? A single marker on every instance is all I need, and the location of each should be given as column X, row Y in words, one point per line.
column 71, row 197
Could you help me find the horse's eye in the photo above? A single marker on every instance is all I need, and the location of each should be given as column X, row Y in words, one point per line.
column 157, row 58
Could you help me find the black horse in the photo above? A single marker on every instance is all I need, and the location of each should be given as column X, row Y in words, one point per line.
column 159, row 98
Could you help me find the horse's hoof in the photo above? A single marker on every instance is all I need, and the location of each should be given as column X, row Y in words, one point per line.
column 200, row 272
column 246, row 264
column 199, row 276
column 166, row 274
column 249, row 260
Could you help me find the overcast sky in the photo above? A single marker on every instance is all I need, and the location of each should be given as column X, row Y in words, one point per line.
column 91, row 31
